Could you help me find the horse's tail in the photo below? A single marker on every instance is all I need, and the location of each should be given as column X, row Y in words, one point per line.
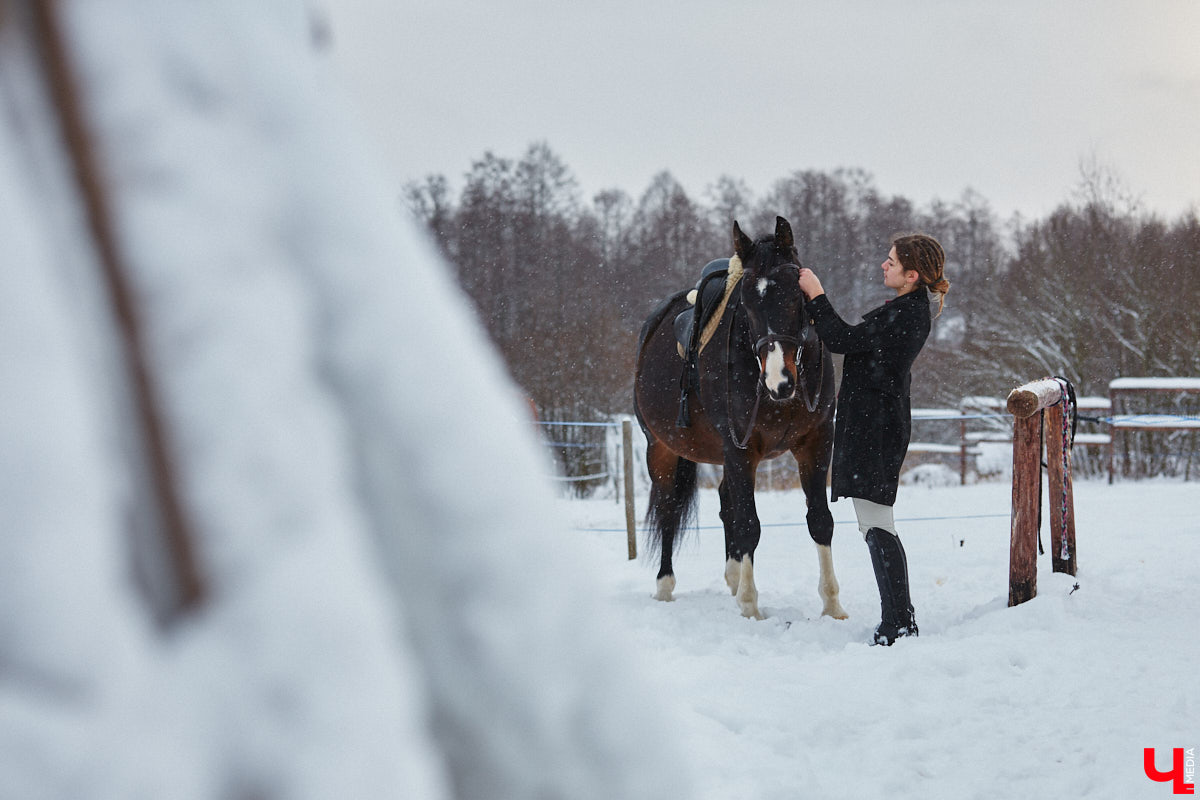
column 672, row 508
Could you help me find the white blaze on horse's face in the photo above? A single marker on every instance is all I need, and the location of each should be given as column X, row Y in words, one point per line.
column 775, row 374
column 776, row 377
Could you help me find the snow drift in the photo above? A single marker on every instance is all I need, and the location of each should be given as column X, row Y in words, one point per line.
column 387, row 611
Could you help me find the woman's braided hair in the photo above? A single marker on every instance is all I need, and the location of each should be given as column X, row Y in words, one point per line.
column 923, row 254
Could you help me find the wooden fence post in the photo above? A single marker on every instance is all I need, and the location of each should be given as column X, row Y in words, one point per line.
column 1026, row 494
column 1032, row 405
column 962, row 447
column 630, row 520
column 1112, row 432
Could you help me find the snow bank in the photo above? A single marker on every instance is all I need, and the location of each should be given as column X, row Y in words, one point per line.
column 391, row 611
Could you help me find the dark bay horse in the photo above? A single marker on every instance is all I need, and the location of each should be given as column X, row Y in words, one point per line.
column 764, row 388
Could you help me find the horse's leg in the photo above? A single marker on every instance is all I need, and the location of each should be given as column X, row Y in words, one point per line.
column 813, row 469
column 732, row 568
column 672, row 499
column 742, row 529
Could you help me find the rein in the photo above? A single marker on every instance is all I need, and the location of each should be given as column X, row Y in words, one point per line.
column 758, row 389
column 811, row 405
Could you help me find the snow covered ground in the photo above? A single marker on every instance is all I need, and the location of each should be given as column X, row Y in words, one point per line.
column 1054, row 698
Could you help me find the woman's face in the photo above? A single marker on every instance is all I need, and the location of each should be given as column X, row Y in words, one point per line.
column 896, row 276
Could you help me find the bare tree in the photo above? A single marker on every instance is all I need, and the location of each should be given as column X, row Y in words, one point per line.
column 1094, row 290
column 671, row 240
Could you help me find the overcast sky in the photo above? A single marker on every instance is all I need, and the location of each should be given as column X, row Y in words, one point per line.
column 932, row 97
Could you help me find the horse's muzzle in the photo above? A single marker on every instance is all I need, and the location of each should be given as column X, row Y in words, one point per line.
column 784, row 390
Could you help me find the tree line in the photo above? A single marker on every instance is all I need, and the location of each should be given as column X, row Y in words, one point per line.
column 1096, row 289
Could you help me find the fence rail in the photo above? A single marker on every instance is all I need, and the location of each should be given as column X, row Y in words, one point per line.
column 974, row 409
column 1093, row 410
column 1183, row 393
column 980, row 421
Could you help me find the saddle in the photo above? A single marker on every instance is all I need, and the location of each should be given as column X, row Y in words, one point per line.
column 695, row 326
column 708, row 301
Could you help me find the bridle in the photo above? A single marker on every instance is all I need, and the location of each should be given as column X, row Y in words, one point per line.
column 774, row 338
column 762, row 343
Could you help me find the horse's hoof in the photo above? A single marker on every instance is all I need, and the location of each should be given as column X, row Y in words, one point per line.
column 747, row 594
column 837, row 612
column 664, row 588
column 750, row 611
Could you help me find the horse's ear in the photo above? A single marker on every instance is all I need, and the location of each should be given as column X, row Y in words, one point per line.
column 742, row 243
column 783, row 234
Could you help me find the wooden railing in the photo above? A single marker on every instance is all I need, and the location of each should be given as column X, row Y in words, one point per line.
column 1120, row 389
column 990, row 409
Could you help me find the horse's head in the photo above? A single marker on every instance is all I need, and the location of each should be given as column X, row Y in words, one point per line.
column 770, row 293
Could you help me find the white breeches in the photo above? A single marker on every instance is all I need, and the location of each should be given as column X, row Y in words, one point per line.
column 873, row 515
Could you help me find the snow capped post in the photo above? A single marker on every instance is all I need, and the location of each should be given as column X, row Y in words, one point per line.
column 1040, row 413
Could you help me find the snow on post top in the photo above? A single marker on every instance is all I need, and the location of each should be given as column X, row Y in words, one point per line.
column 1164, row 384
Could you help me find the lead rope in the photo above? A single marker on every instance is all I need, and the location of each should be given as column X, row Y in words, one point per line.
column 1071, row 410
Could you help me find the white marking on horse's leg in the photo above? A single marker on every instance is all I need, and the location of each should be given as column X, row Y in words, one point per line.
column 747, row 594
column 732, row 572
column 664, row 587
column 828, row 586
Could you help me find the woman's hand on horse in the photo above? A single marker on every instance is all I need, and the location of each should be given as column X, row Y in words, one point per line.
column 810, row 284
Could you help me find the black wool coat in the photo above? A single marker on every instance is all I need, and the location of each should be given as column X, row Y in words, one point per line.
column 874, row 412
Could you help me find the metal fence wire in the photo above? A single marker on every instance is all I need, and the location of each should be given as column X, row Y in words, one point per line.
column 972, row 442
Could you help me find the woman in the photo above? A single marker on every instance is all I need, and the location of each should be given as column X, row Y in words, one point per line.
column 873, row 411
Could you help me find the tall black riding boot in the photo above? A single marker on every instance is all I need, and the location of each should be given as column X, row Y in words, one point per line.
column 891, row 573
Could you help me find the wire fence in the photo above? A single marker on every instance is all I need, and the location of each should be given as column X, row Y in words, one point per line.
column 592, row 459
column 947, row 445
column 802, row 524
column 587, row 455
column 980, row 430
